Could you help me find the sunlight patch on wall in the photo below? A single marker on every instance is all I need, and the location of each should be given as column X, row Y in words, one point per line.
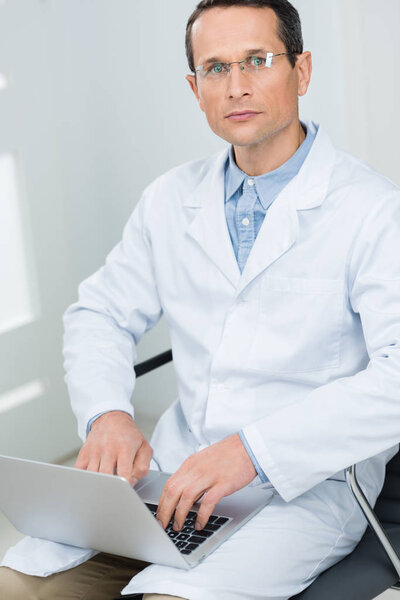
column 22, row 394
column 3, row 80
column 16, row 305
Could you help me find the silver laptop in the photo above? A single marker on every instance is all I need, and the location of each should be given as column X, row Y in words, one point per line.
column 105, row 513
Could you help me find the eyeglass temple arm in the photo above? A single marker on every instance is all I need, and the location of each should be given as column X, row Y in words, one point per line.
column 373, row 520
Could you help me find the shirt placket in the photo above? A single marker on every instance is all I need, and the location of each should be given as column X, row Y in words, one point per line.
column 245, row 221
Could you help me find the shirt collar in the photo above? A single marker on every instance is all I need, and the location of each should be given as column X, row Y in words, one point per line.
column 235, row 176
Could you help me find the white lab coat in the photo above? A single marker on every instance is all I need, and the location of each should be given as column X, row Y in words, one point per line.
column 301, row 350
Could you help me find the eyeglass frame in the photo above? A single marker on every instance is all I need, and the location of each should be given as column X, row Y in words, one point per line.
column 268, row 64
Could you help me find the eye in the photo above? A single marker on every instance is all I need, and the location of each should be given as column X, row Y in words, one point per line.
column 257, row 61
column 215, row 68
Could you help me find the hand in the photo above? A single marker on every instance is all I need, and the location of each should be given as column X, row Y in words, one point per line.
column 115, row 441
column 216, row 471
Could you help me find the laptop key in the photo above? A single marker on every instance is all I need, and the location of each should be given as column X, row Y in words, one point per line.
column 187, row 529
column 213, row 524
column 181, row 544
column 212, row 518
column 221, row 520
column 190, row 523
column 211, row 527
column 172, row 534
column 194, row 539
column 183, row 536
column 204, row 533
column 191, row 547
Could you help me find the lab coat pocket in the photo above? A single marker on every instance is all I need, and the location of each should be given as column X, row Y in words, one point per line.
column 298, row 326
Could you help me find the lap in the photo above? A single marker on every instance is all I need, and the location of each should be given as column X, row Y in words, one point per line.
column 274, row 556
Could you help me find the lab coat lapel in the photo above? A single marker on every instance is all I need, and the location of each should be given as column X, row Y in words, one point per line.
column 278, row 233
column 208, row 227
column 280, row 227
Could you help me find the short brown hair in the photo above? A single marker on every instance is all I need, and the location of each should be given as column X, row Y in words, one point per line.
column 289, row 24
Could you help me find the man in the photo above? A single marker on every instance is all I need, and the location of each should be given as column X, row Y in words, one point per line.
column 275, row 265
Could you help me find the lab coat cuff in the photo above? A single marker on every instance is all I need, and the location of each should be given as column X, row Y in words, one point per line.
column 257, row 442
column 93, row 419
column 257, row 467
column 89, row 418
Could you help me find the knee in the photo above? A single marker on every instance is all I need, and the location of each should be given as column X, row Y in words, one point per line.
column 17, row 586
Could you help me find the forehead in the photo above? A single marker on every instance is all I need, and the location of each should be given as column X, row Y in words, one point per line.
column 226, row 32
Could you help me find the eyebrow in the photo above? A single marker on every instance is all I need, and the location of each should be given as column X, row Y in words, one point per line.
column 248, row 52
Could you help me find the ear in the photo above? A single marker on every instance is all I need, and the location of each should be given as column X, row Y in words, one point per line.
column 304, row 70
column 191, row 79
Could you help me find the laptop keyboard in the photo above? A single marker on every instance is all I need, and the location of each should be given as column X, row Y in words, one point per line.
column 188, row 538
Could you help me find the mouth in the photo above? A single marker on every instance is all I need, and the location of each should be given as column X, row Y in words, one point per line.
column 242, row 115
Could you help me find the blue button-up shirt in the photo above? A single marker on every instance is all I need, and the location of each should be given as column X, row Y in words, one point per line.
column 247, row 200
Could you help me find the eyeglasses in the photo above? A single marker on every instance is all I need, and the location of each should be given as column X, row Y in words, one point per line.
column 251, row 64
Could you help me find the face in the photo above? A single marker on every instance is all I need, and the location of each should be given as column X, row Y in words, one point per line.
column 226, row 33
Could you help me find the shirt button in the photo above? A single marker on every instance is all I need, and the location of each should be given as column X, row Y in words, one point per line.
column 245, row 221
column 250, row 181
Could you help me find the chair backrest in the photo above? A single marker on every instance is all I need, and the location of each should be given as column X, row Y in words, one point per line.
column 387, row 507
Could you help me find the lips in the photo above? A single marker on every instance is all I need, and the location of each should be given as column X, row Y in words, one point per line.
column 242, row 115
column 242, row 112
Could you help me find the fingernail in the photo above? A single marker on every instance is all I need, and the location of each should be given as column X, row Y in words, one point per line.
column 176, row 526
column 160, row 523
column 134, row 481
column 197, row 525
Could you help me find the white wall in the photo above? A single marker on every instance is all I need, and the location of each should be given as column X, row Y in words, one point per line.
column 355, row 90
column 93, row 120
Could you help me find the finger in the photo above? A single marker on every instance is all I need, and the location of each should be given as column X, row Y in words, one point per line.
column 172, row 491
column 107, row 463
column 82, row 460
column 93, row 464
column 169, row 499
column 211, row 498
column 187, row 499
column 141, row 464
column 125, row 460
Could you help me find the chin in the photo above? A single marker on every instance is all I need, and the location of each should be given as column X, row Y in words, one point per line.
column 245, row 140
column 239, row 138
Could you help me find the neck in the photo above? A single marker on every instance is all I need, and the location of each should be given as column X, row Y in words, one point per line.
column 272, row 152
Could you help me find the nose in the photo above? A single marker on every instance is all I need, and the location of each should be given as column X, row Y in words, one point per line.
column 238, row 83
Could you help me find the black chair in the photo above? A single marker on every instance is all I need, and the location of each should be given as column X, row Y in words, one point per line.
column 374, row 565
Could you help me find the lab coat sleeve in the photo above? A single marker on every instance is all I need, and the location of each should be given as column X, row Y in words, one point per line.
column 115, row 307
column 352, row 418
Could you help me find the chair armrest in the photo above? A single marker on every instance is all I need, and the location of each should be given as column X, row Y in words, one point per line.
column 153, row 363
column 372, row 519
